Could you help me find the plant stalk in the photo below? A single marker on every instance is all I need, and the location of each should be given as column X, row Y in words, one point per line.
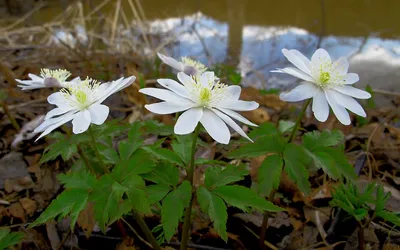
column 188, row 211
column 146, row 230
column 271, row 197
column 96, row 151
column 361, row 243
column 10, row 117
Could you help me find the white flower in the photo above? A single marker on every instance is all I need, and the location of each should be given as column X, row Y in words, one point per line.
column 81, row 103
column 48, row 78
column 204, row 100
column 327, row 82
column 186, row 65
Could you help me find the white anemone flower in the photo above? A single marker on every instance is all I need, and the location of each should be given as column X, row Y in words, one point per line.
column 203, row 100
column 186, row 65
column 81, row 103
column 327, row 82
column 48, row 78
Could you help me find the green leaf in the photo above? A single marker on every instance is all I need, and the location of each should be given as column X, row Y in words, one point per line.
column 263, row 145
column 173, row 206
column 203, row 161
column 164, row 173
column 315, row 139
column 9, row 239
column 62, row 147
column 127, row 148
column 381, row 199
column 388, row 216
column 140, row 162
column 215, row 207
column 244, row 198
column 285, row 126
column 106, row 198
column 182, row 147
column 325, row 161
column 263, row 129
column 157, row 128
column 217, row 176
column 269, row 174
column 70, row 202
column 341, row 163
column 164, row 154
column 370, row 101
column 295, row 159
column 81, row 179
column 110, row 156
column 3, row 95
column 157, row 192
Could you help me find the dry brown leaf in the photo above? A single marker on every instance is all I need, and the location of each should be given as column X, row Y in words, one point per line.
column 52, row 234
column 267, row 100
column 17, row 211
column 390, row 246
column 29, row 205
column 86, row 220
column 258, row 116
column 126, row 244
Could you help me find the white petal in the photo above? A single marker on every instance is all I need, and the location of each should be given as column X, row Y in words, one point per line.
column 188, row 121
column 206, row 78
column 163, row 108
column 237, row 116
column 320, row 106
column 320, row 59
column 298, row 60
column 186, row 80
column 339, row 111
column 81, row 122
column 174, row 87
column 237, row 105
column 354, row 92
column 58, row 99
column 341, row 66
column 36, row 78
column 51, row 124
column 165, row 95
column 113, row 87
column 232, row 124
column 171, row 62
column 295, row 72
column 215, row 127
column 98, row 113
column 233, row 92
column 54, row 112
column 351, row 78
column 349, row 103
column 299, row 93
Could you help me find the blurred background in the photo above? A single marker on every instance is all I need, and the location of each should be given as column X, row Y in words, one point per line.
column 247, row 36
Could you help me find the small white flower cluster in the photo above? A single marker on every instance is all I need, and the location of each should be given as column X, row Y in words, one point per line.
column 78, row 100
column 201, row 96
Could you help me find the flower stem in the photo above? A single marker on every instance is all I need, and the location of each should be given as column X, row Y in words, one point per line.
column 188, row 211
column 146, row 230
column 96, row 151
column 361, row 237
column 271, row 197
column 10, row 117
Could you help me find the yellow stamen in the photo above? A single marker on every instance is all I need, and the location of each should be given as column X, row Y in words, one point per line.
column 60, row 74
column 324, row 77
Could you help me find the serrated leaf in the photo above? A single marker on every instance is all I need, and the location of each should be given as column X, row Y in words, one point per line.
column 244, row 198
column 106, row 198
column 215, row 207
column 217, row 176
column 157, row 192
column 264, row 129
column 388, row 216
column 263, row 145
column 269, row 174
column 173, row 206
column 70, row 202
column 296, row 160
column 81, row 179
column 110, row 156
column 203, row 161
column 128, row 147
column 165, row 154
column 325, row 161
column 9, row 239
column 182, row 147
column 285, row 126
column 315, row 139
column 341, row 163
column 139, row 200
column 140, row 162
column 62, row 148
column 164, row 173
column 157, row 128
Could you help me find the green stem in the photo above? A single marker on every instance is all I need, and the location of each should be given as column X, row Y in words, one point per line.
column 96, row 151
column 146, row 230
column 188, row 211
column 361, row 236
column 271, row 197
column 10, row 117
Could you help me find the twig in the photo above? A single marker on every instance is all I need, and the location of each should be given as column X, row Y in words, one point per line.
column 16, row 106
column 22, row 19
column 10, row 116
column 195, row 246
column 64, row 239
column 115, row 21
column 385, row 92
column 266, row 243
column 136, row 233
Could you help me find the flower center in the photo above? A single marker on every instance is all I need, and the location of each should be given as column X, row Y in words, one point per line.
column 81, row 95
column 205, row 96
column 60, row 75
column 195, row 64
column 324, row 77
